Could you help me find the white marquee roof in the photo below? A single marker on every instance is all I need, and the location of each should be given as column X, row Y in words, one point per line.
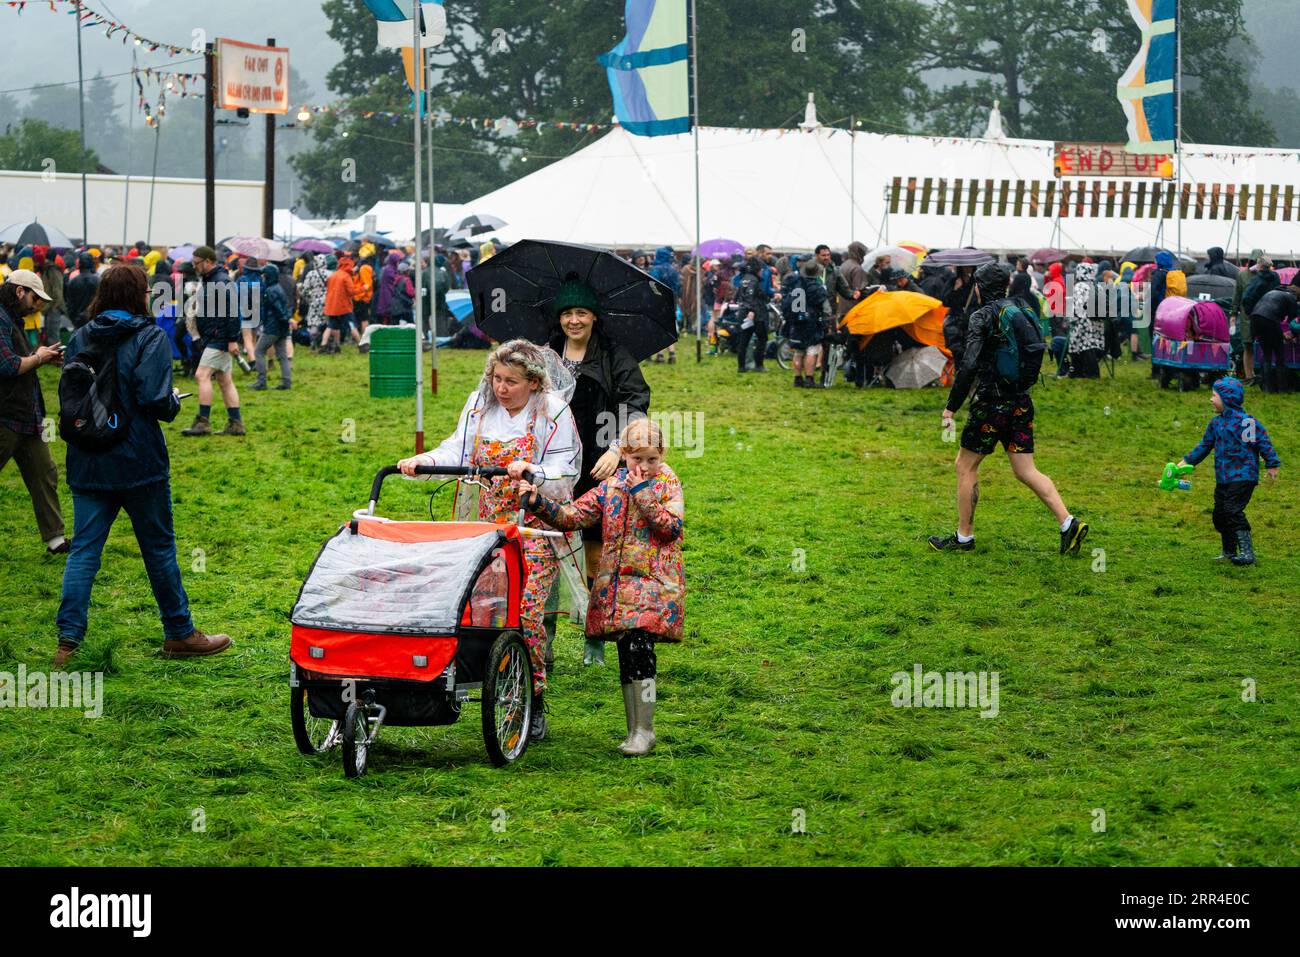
column 791, row 189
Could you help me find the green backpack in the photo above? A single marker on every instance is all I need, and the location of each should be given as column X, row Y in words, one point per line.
column 1020, row 348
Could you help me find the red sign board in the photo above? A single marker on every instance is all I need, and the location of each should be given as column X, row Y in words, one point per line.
column 1110, row 159
column 252, row 77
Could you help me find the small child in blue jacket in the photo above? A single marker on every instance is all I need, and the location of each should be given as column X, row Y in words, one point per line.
column 1238, row 441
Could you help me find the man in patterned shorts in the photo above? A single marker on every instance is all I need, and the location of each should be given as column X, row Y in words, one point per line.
column 1001, row 412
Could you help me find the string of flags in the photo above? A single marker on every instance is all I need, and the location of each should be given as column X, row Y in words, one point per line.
column 500, row 124
column 90, row 18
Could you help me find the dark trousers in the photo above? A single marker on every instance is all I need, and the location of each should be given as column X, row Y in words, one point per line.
column 1230, row 501
column 1268, row 332
column 757, row 332
column 636, row 655
column 150, row 509
column 281, row 345
column 1085, row 364
column 39, row 475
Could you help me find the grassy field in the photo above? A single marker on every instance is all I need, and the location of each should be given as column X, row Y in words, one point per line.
column 810, row 584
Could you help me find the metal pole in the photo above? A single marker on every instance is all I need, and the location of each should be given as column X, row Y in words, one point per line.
column 416, row 75
column 433, row 270
column 81, row 108
column 268, row 191
column 153, row 177
column 130, row 126
column 209, row 147
column 695, row 129
column 853, row 180
column 1178, row 135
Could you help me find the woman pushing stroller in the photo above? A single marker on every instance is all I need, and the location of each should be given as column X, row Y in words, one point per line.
column 519, row 413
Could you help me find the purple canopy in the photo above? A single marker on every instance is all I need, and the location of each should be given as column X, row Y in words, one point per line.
column 966, row 256
column 312, row 246
column 720, row 249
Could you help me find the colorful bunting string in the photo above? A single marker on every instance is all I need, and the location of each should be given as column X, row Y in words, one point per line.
column 89, row 18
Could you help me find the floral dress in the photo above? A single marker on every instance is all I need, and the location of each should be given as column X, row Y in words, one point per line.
column 493, row 438
column 641, row 581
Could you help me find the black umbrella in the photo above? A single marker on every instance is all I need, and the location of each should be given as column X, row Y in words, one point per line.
column 1202, row 286
column 513, row 291
column 376, row 239
column 1143, row 254
column 35, row 234
column 966, row 256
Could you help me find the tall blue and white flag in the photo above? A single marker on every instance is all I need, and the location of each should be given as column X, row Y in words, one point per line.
column 649, row 70
column 1146, row 90
column 394, row 18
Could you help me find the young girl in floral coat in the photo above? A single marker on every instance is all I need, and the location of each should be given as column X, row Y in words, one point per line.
column 639, row 597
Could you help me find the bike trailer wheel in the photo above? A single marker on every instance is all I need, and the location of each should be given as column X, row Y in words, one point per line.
column 356, row 741
column 507, row 699
column 312, row 735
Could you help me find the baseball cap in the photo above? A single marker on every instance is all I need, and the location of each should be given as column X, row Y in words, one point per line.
column 29, row 280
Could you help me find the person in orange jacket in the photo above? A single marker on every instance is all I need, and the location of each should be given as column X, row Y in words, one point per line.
column 364, row 286
column 340, row 293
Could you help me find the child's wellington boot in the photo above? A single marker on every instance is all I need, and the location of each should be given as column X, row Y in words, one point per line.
column 642, row 740
column 1245, row 550
column 1229, row 546
column 629, row 708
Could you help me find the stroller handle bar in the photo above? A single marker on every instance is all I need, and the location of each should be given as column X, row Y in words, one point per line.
column 466, row 471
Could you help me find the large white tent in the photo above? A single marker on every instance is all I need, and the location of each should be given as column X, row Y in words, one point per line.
column 289, row 226
column 792, row 189
column 395, row 219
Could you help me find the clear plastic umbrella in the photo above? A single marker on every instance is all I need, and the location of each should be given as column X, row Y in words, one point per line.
column 916, row 368
column 899, row 258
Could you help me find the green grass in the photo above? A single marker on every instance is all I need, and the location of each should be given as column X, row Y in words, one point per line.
column 1119, row 689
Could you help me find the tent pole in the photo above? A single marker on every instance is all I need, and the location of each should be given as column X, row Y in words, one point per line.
column 695, row 130
column 153, row 177
column 853, row 179
column 417, row 101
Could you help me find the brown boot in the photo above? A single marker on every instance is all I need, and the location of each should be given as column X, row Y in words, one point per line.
column 202, row 426
column 196, row 645
column 233, row 427
column 66, row 650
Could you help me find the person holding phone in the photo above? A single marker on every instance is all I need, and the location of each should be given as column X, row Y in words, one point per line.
column 22, row 406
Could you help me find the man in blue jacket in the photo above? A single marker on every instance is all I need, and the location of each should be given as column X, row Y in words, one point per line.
column 133, row 475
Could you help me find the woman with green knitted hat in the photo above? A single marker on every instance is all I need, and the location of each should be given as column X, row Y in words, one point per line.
column 610, row 393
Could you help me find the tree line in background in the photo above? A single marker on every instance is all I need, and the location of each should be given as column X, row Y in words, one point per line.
column 919, row 66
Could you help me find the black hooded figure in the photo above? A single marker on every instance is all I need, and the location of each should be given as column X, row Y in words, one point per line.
column 753, row 314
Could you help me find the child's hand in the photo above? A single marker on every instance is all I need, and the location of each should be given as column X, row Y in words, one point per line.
column 637, row 473
column 527, row 493
column 1271, row 473
column 518, row 469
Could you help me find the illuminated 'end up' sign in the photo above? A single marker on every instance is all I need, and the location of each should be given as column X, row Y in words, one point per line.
column 1110, row 159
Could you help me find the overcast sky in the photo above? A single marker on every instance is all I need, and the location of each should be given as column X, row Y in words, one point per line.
column 41, row 47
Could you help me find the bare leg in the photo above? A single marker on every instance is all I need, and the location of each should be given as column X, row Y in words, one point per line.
column 1248, row 359
column 203, row 375
column 968, row 464
column 229, row 394
column 1022, row 463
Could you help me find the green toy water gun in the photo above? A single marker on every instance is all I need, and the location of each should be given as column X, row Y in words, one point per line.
column 1173, row 477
